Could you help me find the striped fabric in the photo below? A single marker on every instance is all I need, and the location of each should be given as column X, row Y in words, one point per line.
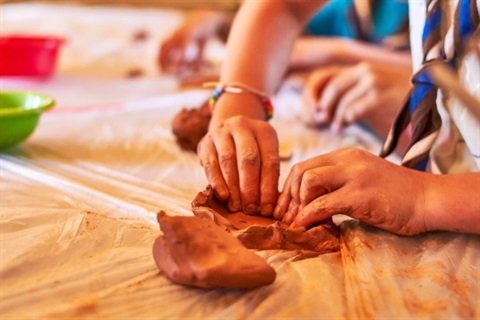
column 420, row 109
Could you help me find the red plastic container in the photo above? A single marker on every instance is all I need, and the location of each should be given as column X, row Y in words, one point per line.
column 28, row 55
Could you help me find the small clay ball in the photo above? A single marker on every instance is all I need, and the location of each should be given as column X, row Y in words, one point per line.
column 140, row 35
column 134, row 73
column 190, row 125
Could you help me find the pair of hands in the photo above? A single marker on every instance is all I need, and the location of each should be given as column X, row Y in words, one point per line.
column 241, row 162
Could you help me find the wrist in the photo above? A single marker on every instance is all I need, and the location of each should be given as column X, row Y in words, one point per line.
column 231, row 105
column 341, row 50
column 238, row 99
column 425, row 201
column 451, row 204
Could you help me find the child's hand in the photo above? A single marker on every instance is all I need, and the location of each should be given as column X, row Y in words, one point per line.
column 358, row 184
column 198, row 29
column 241, row 161
column 344, row 95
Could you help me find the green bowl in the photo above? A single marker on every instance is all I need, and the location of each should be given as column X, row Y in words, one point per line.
column 19, row 115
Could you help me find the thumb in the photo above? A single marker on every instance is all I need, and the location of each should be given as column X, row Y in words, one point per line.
column 323, row 208
column 314, row 86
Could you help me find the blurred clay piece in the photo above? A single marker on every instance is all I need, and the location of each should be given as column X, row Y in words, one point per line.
column 140, row 35
column 190, row 125
column 135, row 73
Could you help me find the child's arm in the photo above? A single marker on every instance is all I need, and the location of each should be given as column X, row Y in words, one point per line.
column 314, row 51
column 240, row 152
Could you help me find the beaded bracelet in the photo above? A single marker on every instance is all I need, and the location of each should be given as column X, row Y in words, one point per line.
column 221, row 88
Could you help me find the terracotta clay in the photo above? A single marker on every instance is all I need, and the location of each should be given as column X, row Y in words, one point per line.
column 262, row 233
column 209, row 250
column 197, row 252
column 190, row 125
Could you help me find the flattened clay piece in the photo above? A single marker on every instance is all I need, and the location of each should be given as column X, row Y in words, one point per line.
column 197, row 252
column 190, row 125
column 262, row 233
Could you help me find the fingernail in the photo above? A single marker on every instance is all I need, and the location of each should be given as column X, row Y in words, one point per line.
column 266, row 210
column 276, row 213
column 222, row 193
column 234, row 206
column 250, row 209
column 287, row 217
column 320, row 117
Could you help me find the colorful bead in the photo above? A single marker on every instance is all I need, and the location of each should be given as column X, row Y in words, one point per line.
column 221, row 88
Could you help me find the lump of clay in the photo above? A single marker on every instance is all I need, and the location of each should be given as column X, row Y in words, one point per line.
column 190, row 125
column 262, row 233
column 140, row 35
column 197, row 252
column 134, row 73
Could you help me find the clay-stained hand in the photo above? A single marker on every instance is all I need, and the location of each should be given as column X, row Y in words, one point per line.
column 193, row 35
column 241, row 161
column 341, row 95
column 358, row 184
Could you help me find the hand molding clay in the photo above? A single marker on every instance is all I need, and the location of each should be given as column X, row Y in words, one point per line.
column 262, row 233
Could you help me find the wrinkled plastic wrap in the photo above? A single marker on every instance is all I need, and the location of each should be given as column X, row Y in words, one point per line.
column 79, row 197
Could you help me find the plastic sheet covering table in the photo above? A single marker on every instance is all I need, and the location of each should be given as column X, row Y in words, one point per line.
column 79, row 198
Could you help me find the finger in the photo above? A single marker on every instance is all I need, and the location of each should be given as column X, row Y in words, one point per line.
column 248, row 161
column 317, row 182
column 209, row 160
column 291, row 213
column 227, row 155
column 335, row 89
column 291, row 190
column 358, row 109
column 313, row 177
column 321, row 117
column 324, row 207
column 313, row 88
column 270, row 168
column 358, row 90
column 283, row 200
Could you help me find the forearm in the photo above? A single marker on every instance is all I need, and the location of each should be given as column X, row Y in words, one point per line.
column 356, row 51
column 452, row 202
column 259, row 47
column 320, row 51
